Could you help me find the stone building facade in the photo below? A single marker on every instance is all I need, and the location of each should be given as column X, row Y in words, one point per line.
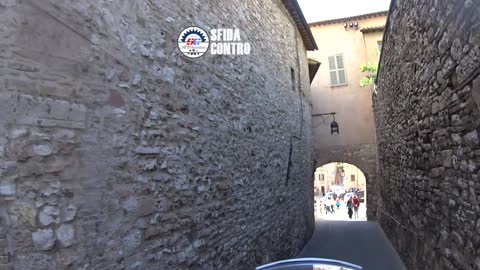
column 353, row 177
column 346, row 43
column 116, row 152
column 427, row 115
column 325, row 176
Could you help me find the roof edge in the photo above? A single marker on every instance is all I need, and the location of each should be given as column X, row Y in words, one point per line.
column 356, row 17
column 313, row 66
column 297, row 15
column 372, row 29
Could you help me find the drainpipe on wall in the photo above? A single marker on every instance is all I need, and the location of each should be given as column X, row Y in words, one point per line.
column 299, row 84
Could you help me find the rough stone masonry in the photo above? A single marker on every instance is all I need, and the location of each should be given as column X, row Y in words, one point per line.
column 427, row 114
column 118, row 153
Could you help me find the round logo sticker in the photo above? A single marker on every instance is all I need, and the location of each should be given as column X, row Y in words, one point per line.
column 193, row 42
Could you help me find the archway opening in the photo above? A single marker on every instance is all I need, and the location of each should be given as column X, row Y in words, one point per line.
column 338, row 187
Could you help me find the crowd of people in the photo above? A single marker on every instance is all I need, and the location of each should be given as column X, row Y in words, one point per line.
column 331, row 204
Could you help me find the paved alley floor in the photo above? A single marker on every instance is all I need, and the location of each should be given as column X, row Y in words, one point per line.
column 358, row 242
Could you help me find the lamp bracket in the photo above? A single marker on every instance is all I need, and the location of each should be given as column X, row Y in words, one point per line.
column 322, row 114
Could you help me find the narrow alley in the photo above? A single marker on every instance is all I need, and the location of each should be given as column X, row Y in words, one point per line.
column 358, row 242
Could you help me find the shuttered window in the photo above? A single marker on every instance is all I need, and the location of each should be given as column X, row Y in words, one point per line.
column 337, row 70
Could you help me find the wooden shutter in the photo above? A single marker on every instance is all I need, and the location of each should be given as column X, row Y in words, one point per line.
column 340, row 69
column 339, row 61
column 333, row 70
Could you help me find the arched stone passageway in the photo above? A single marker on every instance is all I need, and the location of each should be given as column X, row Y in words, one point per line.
column 342, row 181
column 364, row 157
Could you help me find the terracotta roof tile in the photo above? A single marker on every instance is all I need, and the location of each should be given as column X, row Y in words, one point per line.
column 302, row 25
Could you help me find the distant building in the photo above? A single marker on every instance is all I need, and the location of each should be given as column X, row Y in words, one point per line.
column 353, row 177
column 326, row 177
column 343, row 45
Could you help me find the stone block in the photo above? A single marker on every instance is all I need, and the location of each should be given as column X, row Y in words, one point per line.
column 41, row 111
column 23, row 212
column 447, row 158
column 56, row 164
column 476, row 91
column 137, row 80
column 146, row 49
column 116, row 99
column 457, row 139
column 69, row 213
column 132, row 241
column 456, row 50
column 444, row 43
column 147, row 150
column 436, row 172
column 54, row 90
column 49, row 215
column 168, row 74
column 468, row 64
column 139, row 206
column 43, row 239
column 435, row 107
column 456, row 120
column 149, row 164
column 65, row 235
column 67, row 257
column 471, row 138
column 42, row 149
column 7, row 188
column 17, row 133
column 153, row 115
column 152, row 232
column 37, row 261
column 8, row 165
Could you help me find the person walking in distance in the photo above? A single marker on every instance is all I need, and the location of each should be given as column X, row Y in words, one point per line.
column 332, row 205
column 356, row 205
column 349, row 207
column 326, row 205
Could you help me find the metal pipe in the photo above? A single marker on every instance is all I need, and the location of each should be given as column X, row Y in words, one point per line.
column 321, row 114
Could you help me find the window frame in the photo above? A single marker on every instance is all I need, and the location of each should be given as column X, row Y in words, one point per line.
column 336, row 70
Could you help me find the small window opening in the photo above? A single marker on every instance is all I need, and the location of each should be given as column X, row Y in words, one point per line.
column 292, row 78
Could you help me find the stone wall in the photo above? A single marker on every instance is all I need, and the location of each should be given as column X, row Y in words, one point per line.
column 363, row 156
column 427, row 114
column 118, row 153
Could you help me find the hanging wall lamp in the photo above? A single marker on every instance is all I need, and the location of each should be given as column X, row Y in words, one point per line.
column 334, row 125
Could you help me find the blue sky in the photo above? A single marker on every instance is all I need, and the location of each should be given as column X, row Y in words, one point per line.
column 319, row 10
